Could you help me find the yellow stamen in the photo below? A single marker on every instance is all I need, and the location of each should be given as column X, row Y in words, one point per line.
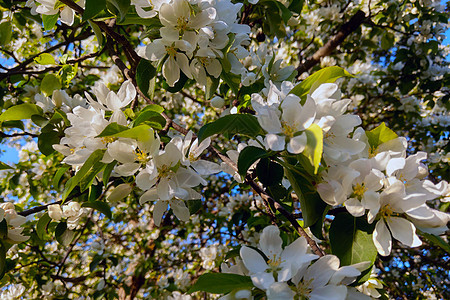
column 359, row 190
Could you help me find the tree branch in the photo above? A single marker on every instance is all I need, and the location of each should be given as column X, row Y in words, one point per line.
column 346, row 29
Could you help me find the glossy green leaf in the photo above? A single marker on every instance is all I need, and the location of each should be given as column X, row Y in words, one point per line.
column 5, row 33
column 101, row 206
column 41, row 226
column 63, row 235
column 88, row 179
column 50, row 83
column 112, row 129
column 178, row 86
column 3, row 229
column 351, row 240
column 50, row 21
column 107, row 172
column 93, row 8
column 248, row 156
column 221, row 283
column 46, row 140
column 230, row 125
column 211, row 86
column 311, row 205
column 57, row 178
column 380, row 135
column 45, row 59
column 437, row 240
column 151, row 118
column 144, row 73
column 4, row 166
column 314, row 147
column 20, row 112
column 3, row 250
column 95, row 157
column 326, row 75
column 141, row 132
column 121, row 6
column 97, row 31
column 269, row 172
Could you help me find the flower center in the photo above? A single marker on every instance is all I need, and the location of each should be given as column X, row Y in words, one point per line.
column 164, row 171
column 304, row 288
column 141, row 156
column 373, row 151
column 171, row 51
column 108, row 139
column 359, row 190
column 288, row 130
column 274, row 263
column 182, row 23
column 386, row 211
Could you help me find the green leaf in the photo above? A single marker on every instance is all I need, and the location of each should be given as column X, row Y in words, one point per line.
column 380, row 135
column 141, row 132
column 97, row 31
column 20, row 112
column 4, row 166
column 269, row 172
column 314, row 147
column 437, row 240
column 5, row 33
column 95, row 157
column 45, row 59
column 41, row 226
column 221, row 283
column 121, row 6
column 231, row 80
column 248, row 156
column 194, row 205
column 311, row 204
column 153, row 107
column 211, row 86
column 326, row 75
column 112, row 129
column 3, row 251
column 67, row 73
column 50, row 21
column 3, row 229
column 296, row 6
column 57, row 178
column 178, row 86
column 46, row 140
column 351, row 241
column 101, row 206
column 151, row 118
column 63, row 235
column 144, row 73
column 230, row 125
column 285, row 12
column 93, row 8
column 88, row 179
column 107, row 172
column 133, row 18
column 50, row 83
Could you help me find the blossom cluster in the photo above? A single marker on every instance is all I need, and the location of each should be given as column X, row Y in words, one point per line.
column 14, row 222
column 193, row 35
column 293, row 271
column 166, row 175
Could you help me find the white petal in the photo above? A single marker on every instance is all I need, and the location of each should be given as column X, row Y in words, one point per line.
column 404, row 231
column 270, row 242
column 382, row 238
column 279, row 291
column 274, row 142
column 252, row 260
column 158, row 210
column 297, row 144
column 171, row 71
column 329, row 292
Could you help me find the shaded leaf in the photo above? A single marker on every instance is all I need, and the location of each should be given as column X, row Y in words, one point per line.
column 221, row 283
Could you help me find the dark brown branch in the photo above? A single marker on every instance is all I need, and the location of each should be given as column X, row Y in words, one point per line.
column 346, row 29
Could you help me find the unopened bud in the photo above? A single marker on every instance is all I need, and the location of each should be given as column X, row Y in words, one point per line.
column 217, row 102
